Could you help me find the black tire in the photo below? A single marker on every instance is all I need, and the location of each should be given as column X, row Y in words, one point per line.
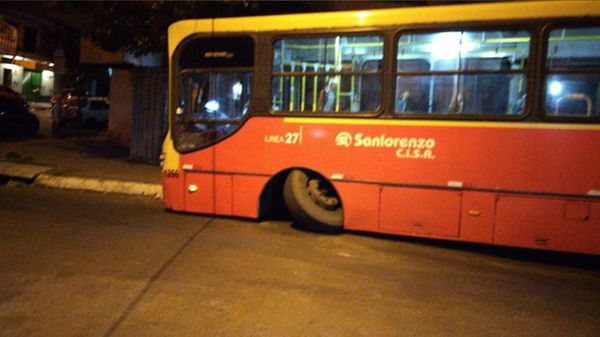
column 307, row 212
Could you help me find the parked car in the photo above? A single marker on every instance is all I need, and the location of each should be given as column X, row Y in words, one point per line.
column 96, row 110
column 66, row 111
column 16, row 120
column 8, row 92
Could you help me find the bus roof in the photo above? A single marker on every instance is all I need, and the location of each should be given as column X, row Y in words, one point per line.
column 515, row 10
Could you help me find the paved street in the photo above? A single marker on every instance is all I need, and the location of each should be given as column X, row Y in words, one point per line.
column 91, row 264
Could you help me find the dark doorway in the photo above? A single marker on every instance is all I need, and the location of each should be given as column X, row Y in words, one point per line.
column 7, row 77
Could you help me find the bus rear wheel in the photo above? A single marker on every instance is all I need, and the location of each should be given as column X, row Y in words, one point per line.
column 313, row 202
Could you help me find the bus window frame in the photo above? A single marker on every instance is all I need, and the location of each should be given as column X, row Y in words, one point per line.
column 175, row 86
column 379, row 111
column 530, row 70
column 544, row 73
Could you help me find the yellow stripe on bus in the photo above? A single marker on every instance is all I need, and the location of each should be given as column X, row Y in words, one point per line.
column 406, row 16
column 455, row 124
column 411, row 15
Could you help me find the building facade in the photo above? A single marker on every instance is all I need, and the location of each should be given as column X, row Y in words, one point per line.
column 27, row 47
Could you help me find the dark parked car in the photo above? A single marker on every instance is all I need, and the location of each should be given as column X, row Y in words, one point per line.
column 9, row 93
column 16, row 120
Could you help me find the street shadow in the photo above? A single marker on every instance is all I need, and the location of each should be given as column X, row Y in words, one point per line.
column 102, row 148
column 575, row 260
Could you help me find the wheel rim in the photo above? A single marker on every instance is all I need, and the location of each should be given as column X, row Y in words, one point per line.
column 322, row 196
column 313, row 202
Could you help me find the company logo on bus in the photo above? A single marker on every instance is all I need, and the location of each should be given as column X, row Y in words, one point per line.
column 343, row 139
column 406, row 147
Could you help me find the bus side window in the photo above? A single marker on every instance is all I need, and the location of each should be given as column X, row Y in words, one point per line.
column 519, row 105
column 327, row 74
column 573, row 72
column 327, row 96
column 412, row 91
column 461, row 72
column 370, row 86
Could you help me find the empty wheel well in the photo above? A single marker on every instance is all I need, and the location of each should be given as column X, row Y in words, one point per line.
column 271, row 205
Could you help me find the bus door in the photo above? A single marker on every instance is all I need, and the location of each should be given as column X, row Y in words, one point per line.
column 214, row 87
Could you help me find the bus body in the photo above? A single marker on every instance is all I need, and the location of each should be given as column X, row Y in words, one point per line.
column 475, row 122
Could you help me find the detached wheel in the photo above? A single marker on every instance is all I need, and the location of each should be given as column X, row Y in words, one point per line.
column 313, row 202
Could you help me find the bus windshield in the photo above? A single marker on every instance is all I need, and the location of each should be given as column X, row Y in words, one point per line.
column 212, row 105
column 214, row 83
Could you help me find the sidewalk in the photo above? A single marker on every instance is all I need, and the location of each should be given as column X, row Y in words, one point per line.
column 79, row 161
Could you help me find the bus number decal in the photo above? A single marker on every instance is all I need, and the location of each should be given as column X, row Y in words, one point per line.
column 291, row 137
column 406, row 147
column 170, row 173
column 288, row 138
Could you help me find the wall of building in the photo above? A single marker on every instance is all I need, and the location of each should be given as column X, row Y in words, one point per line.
column 17, row 75
column 37, row 91
column 25, row 47
column 47, row 88
column 121, row 107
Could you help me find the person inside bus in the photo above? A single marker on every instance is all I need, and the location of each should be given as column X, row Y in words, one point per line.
column 519, row 105
column 456, row 105
column 326, row 100
column 402, row 103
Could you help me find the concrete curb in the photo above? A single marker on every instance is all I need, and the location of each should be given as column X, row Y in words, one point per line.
column 36, row 173
column 22, row 170
column 99, row 185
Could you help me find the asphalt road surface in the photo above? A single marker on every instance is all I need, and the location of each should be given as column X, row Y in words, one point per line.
column 88, row 264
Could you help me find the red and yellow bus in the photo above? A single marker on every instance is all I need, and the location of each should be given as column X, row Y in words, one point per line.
column 473, row 122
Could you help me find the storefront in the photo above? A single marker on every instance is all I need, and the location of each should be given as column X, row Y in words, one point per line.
column 34, row 78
